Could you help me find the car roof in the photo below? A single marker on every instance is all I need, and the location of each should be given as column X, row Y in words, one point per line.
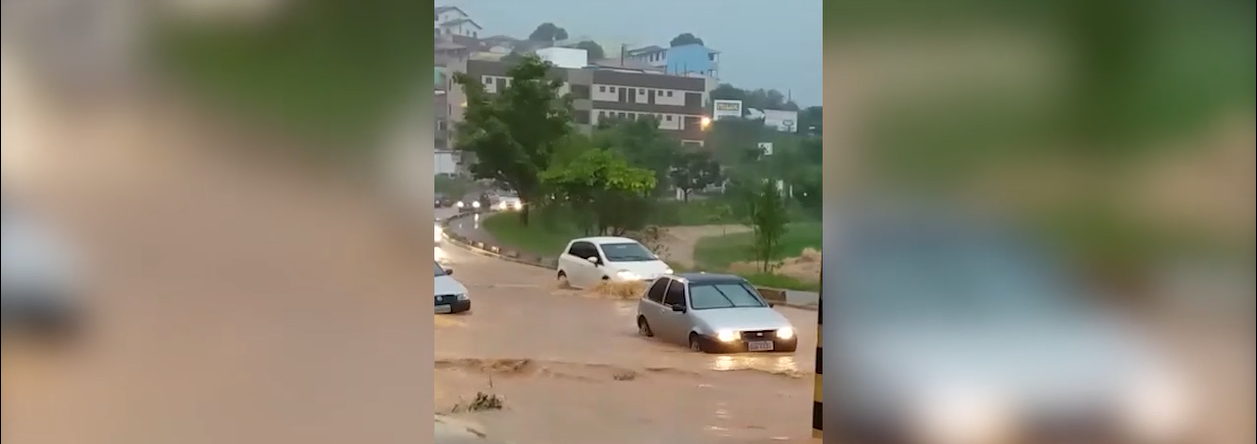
column 710, row 278
column 604, row 240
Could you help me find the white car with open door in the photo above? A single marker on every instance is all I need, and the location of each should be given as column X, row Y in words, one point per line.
column 588, row 261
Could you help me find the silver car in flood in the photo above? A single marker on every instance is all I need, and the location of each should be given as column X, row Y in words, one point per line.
column 713, row 313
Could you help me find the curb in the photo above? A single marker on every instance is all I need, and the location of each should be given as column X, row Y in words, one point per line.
column 775, row 295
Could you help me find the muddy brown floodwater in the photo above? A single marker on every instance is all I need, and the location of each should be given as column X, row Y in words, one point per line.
column 570, row 368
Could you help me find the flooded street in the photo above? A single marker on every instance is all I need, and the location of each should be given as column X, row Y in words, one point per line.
column 570, row 367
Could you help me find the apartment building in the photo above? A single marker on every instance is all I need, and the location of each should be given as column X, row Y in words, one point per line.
column 676, row 102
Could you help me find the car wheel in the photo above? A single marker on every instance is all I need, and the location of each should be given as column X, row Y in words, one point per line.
column 564, row 283
column 643, row 327
column 696, row 344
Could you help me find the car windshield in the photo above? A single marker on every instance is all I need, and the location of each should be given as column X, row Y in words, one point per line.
column 437, row 270
column 951, row 275
column 723, row 295
column 627, row 252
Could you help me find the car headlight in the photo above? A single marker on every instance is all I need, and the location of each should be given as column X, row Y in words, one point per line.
column 626, row 275
column 726, row 336
column 785, row 333
column 1157, row 408
column 459, row 204
column 463, row 297
column 475, row 204
column 963, row 417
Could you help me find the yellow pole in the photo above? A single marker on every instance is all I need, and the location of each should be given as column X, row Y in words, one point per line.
column 818, row 393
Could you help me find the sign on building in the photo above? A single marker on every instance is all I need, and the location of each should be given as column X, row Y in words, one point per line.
column 726, row 108
column 766, row 148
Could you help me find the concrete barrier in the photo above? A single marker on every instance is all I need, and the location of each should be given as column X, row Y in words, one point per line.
column 774, row 295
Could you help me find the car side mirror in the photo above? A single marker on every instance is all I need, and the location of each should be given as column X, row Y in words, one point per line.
column 449, row 271
column 678, row 308
column 592, row 260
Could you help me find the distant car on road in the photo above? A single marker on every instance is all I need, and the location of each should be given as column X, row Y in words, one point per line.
column 479, row 204
column 713, row 313
column 442, row 201
column 590, row 260
column 451, row 296
column 38, row 285
column 508, row 203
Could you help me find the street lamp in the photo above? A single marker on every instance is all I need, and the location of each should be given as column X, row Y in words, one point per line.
column 704, row 122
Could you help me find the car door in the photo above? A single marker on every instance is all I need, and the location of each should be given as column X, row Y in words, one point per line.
column 651, row 305
column 567, row 261
column 673, row 323
column 584, row 273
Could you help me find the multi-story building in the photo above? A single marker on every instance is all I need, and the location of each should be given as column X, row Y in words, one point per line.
column 675, row 101
column 450, row 20
column 681, row 60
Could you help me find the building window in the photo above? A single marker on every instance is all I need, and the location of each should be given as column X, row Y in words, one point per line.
column 668, row 117
column 669, row 93
column 602, row 114
column 581, row 117
column 711, row 56
column 602, row 88
column 623, row 115
column 487, row 80
column 580, row 91
column 610, row 89
column 473, row 34
column 641, row 91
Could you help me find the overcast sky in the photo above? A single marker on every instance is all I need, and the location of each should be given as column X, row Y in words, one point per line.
column 764, row 44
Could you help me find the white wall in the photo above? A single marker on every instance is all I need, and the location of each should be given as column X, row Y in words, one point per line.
column 444, row 162
column 571, row 58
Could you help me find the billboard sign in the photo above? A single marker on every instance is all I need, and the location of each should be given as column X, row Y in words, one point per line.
column 726, row 108
column 783, row 121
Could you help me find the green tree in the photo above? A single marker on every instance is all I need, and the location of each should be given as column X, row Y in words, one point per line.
column 694, row 170
column 756, row 98
column 548, row 32
column 643, row 144
column 811, row 120
column 685, row 38
column 513, row 134
column 593, row 48
column 767, row 211
column 609, row 196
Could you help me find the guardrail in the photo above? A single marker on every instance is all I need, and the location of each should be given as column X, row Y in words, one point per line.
column 774, row 295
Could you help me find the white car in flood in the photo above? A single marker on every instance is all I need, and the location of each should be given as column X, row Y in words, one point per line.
column 588, row 261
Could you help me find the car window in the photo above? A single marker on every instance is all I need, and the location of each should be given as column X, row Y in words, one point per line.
column 675, row 294
column 724, row 295
column 658, row 290
column 577, row 249
column 437, row 270
column 627, row 252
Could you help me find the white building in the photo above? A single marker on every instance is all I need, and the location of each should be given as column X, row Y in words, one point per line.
column 451, row 20
column 570, row 58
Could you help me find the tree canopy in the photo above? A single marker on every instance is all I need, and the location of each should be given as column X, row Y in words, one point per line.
column 514, row 133
column 757, row 98
column 610, row 195
column 685, row 38
column 593, row 48
column 548, row 32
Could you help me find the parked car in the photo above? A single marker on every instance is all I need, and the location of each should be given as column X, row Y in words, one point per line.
column 39, row 286
column 955, row 331
column 451, row 295
column 713, row 313
column 590, row 260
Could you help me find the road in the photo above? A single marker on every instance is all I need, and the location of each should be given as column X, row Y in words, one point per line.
column 470, row 228
column 573, row 369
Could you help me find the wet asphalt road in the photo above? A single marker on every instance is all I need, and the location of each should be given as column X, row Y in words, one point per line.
column 545, row 347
